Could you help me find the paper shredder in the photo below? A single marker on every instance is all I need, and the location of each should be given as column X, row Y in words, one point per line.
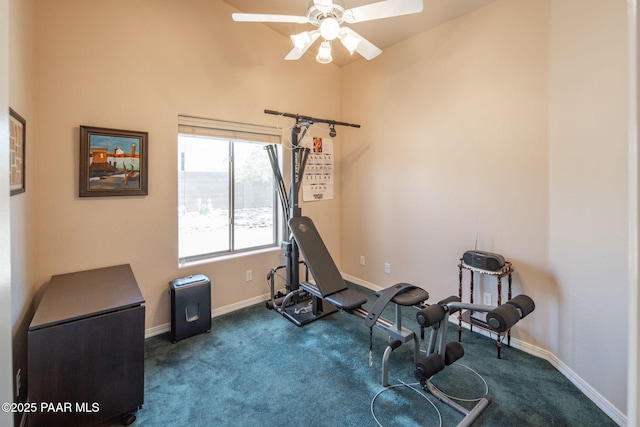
column 190, row 306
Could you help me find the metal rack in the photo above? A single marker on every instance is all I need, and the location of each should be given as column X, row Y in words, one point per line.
column 468, row 316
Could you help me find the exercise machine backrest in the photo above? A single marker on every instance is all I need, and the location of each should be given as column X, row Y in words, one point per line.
column 325, row 272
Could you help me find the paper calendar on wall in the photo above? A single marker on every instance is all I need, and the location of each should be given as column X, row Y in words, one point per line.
column 317, row 181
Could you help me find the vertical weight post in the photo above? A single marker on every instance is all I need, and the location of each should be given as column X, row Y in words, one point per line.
column 292, row 209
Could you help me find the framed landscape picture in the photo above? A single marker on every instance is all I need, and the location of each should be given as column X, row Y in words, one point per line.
column 113, row 162
column 17, row 140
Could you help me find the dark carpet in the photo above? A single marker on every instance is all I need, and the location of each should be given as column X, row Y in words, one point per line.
column 256, row 368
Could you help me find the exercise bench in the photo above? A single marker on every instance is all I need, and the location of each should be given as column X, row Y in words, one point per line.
column 329, row 293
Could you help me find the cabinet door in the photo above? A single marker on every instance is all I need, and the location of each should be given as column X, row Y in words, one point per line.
column 87, row 371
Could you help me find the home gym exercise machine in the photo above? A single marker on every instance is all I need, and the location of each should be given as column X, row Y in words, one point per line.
column 288, row 302
column 306, row 301
column 440, row 354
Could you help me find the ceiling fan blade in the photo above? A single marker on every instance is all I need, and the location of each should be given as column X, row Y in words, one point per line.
column 382, row 9
column 361, row 45
column 261, row 17
column 296, row 53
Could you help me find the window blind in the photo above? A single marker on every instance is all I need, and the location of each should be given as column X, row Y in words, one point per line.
column 235, row 131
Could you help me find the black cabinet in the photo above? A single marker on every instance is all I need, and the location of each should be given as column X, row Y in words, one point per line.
column 86, row 349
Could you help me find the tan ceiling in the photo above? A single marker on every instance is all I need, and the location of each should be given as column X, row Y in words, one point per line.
column 382, row 33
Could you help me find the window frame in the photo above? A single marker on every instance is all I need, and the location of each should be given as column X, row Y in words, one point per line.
column 231, row 133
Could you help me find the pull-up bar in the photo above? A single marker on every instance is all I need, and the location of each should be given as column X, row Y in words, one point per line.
column 299, row 117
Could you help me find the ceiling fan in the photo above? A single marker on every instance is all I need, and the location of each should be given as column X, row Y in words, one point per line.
column 328, row 16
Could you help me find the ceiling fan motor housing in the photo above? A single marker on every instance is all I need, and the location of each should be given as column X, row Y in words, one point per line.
column 316, row 13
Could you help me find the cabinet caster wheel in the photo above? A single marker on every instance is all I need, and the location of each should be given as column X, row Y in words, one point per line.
column 128, row 419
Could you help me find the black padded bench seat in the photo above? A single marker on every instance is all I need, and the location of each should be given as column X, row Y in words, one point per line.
column 332, row 287
column 346, row 299
column 409, row 297
column 401, row 293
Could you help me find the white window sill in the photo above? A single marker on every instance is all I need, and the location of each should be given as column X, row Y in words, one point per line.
column 222, row 258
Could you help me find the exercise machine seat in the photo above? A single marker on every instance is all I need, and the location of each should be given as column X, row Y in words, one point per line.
column 408, row 297
column 347, row 299
column 329, row 284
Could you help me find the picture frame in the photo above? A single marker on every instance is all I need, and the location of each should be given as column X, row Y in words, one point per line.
column 113, row 162
column 17, row 143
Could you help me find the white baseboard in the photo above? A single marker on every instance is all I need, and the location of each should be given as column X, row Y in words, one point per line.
column 362, row 283
column 602, row 403
column 238, row 305
column 157, row 330
column 161, row 329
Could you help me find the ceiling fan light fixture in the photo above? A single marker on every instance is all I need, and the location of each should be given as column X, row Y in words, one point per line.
column 350, row 42
column 301, row 40
column 329, row 28
column 327, row 16
column 324, row 53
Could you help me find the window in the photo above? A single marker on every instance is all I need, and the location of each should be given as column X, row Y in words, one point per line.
column 226, row 197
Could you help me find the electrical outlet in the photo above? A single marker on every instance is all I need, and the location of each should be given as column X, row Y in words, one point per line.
column 486, row 298
column 362, row 262
column 248, row 276
column 387, row 268
column 18, row 382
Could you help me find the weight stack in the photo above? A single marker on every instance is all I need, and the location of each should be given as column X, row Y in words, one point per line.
column 190, row 306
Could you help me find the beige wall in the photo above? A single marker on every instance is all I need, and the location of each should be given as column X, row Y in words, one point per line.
column 137, row 65
column 588, row 239
column 461, row 137
column 633, row 398
column 453, row 145
column 22, row 97
column 6, row 384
